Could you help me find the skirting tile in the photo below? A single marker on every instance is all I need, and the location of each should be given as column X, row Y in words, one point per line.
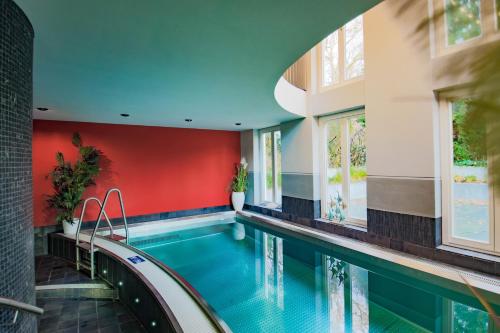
column 301, row 207
column 425, row 231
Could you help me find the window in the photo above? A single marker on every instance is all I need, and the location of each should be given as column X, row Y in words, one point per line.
column 271, row 167
column 354, row 54
column 331, row 59
column 342, row 54
column 463, row 20
column 344, row 168
column 468, row 197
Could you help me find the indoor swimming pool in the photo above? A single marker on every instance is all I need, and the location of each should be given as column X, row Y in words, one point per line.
column 261, row 280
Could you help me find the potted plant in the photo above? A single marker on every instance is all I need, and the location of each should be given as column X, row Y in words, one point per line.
column 70, row 181
column 239, row 185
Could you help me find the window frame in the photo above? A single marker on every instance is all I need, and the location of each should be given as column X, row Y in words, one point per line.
column 481, row 24
column 274, row 154
column 341, row 51
column 439, row 29
column 345, row 162
column 446, row 161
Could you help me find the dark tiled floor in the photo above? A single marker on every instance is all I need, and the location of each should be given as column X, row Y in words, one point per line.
column 78, row 314
column 86, row 315
column 54, row 270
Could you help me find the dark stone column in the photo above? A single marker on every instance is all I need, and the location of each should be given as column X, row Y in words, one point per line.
column 17, row 271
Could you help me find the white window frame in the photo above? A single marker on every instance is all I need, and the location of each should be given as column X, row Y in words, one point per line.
column 446, row 143
column 343, row 117
column 274, row 153
column 341, row 49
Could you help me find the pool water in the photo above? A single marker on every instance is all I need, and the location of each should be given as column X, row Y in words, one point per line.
column 259, row 281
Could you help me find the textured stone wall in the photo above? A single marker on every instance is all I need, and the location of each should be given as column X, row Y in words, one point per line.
column 17, row 272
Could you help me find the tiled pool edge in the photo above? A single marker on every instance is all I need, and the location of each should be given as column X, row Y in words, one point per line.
column 421, row 264
column 106, row 268
column 465, row 259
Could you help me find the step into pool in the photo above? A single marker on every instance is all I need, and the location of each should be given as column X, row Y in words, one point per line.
column 260, row 280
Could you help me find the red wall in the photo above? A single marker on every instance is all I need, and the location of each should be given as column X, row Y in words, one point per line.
column 158, row 169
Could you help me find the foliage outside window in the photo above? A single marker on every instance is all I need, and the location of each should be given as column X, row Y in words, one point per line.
column 271, row 164
column 465, row 152
column 342, row 54
column 463, row 20
column 471, row 195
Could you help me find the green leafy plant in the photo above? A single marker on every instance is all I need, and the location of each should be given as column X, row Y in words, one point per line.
column 69, row 181
column 240, row 179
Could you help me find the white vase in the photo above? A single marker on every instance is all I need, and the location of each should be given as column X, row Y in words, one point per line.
column 70, row 229
column 238, row 199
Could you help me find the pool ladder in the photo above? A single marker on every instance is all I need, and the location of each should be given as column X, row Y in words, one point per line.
column 88, row 248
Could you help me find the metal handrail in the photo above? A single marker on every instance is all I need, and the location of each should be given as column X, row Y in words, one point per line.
column 83, row 214
column 101, row 212
column 96, row 227
column 20, row 306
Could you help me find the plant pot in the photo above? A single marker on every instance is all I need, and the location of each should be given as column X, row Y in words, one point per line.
column 238, row 200
column 70, row 228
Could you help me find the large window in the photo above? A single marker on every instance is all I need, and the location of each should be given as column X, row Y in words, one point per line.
column 342, row 54
column 468, row 197
column 344, row 168
column 271, row 167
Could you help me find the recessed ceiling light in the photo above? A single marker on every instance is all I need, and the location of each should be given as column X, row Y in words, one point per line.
column 238, row 124
column 187, row 120
column 124, row 115
column 43, row 109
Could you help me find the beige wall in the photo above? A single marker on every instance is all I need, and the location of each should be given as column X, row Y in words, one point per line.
column 397, row 94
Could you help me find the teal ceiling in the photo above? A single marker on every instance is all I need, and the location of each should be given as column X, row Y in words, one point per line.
column 161, row 61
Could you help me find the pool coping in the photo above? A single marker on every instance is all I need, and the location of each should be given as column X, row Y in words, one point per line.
column 457, row 274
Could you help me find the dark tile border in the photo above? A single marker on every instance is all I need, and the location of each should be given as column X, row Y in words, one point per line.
column 301, row 207
column 411, row 245
column 420, row 230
